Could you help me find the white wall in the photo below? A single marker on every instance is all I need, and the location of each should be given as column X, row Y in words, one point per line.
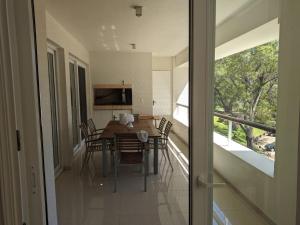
column 133, row 68
column 57, row 33
column 255, row 185
column 180, row 79
column 67, row 45
column 161, row 63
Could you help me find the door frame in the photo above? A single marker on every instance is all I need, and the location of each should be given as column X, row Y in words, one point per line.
column 74, row 61
column 201, row 76
column 10, row 191
column 54, row 50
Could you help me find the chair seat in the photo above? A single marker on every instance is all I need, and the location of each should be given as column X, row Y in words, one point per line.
column 131, row 157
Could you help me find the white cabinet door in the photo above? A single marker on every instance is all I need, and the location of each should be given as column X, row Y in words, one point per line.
column 161, row 85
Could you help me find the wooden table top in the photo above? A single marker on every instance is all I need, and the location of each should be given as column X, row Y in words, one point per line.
column 149, row 117
column 115, row 127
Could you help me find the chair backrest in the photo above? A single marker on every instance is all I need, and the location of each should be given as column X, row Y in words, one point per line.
column 136, row 116
column 91, row 126
column 168, row 129
column 85, row 131
column 162, row 124
column 127, row 142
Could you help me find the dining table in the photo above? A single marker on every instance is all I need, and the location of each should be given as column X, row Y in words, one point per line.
column 114, row 126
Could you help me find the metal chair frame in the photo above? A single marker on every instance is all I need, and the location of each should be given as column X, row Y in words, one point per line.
column 129, row 143
column 162, row 125
column 163, row 142
column 92, row 127
column 92, row 145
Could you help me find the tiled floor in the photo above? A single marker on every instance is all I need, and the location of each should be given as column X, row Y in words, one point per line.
column 89, row 199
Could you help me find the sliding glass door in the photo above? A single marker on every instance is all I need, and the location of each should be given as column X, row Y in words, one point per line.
column 52, row 74
column 234, row 61
column 82, row 93
column 78, row 98
column 74, row 104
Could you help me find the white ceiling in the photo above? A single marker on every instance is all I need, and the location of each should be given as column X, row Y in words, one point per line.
column 225, row 9
column 258, row 36
column 111, row 25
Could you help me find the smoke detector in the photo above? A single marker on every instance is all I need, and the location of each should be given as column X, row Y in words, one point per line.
column 138, row 10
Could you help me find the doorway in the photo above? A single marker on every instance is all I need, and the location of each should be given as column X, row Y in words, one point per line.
column 161, row 86
column 201, row 63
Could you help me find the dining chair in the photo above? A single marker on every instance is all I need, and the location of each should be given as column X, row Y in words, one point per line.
column 164, row 139
column 92, row 145
column 92, row 127
column 136, row 116
column 128, row 150
column 162, row 125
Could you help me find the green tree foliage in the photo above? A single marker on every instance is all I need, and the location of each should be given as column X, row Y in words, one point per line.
column 246, row 86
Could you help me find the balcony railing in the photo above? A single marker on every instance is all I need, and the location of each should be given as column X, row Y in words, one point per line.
column 271, row 131
column 182, row 116
column 260, row 126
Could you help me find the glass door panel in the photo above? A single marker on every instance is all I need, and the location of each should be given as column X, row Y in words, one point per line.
column 82, row 93
column 54, row 108
column 74, row 104
column 245, row 111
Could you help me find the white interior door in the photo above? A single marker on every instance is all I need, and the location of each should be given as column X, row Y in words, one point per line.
column 161, row 85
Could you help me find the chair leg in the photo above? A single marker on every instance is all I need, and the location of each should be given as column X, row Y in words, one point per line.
column 167, row 151
column 112, row 163
column 84, row 161
column 164, row 154
column 146, row 164
column 115, row 173
column 88, row 158
column 93, row 161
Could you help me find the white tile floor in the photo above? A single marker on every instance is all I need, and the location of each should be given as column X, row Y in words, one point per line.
column 84, row 200
column 89, row 199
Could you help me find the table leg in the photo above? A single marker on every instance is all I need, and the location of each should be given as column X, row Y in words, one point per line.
column 155, row 161
column 104, row 161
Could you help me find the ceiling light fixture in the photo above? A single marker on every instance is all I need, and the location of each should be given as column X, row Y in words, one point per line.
column 133, row 46
column 138, row 10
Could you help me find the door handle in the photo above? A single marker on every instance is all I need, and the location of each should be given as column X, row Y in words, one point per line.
column 34, row 184
column 201, row 183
